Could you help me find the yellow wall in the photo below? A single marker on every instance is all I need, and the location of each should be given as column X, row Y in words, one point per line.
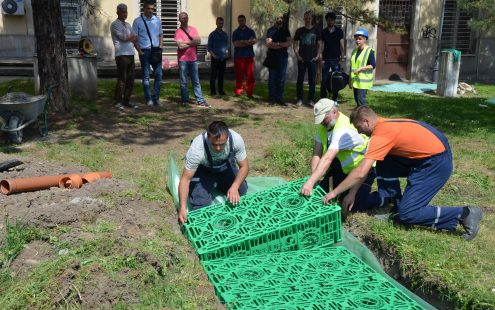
column 241, row 7
column 203, row 14
column 99, row 24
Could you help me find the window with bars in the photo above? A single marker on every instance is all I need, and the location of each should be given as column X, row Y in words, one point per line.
column 398, row 12
column 168, row 11
column 71, row 18
column 455, row 31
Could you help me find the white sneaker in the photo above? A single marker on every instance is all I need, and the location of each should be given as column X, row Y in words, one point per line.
column 149, row 103
column 311, row 103
column 119, row 106
column 299, row 102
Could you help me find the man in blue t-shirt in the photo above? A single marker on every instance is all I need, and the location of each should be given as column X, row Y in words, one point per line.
column 333, row 52
column 243, row 39
column 218, row 47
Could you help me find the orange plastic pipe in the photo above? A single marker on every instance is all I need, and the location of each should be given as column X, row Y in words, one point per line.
column 29, row 184
column 12, row 186
column 93, row 176
column 71, row 181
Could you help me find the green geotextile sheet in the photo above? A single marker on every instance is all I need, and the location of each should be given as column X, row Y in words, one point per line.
column 256, row 184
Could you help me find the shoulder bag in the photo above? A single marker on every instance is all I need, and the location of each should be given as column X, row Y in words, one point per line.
column 156, row 52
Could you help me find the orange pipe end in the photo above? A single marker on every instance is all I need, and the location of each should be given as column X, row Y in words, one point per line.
column 71, row 181
column 93, row 176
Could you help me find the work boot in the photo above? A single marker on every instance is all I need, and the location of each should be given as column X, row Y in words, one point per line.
column 471, row 223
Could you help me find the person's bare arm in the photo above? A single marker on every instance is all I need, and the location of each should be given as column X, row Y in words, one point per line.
column 185, row 180
column 319, row 172
column 233, row 193
column 357, row 175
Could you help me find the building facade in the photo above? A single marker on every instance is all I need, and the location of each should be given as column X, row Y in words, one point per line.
column 411, row 53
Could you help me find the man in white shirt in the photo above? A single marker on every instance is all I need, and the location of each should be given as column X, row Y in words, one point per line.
column 338, row 149
column 212, row 161
column 123, row 39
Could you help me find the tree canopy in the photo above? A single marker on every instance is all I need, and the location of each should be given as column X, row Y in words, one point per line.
column 354, row 10
column 483, row 12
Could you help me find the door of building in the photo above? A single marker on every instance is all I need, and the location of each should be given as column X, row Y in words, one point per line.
column 392, row 59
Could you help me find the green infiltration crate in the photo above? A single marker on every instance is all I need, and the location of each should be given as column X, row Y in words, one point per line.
column 318, row 278
column 274, row 220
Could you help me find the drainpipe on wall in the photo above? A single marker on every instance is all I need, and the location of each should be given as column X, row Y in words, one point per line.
column 436, row 66
column 228, row 16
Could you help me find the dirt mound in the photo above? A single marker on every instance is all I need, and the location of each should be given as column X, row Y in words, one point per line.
column 81, row 211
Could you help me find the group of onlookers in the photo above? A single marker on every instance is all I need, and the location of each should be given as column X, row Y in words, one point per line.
column 310, row 45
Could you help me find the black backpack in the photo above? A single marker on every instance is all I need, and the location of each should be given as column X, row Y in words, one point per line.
column 337, row 81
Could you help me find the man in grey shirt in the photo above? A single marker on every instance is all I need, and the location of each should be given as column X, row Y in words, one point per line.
column 123, row 39
column 211, row 159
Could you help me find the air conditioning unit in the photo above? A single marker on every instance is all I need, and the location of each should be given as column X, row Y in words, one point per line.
column 13, row 7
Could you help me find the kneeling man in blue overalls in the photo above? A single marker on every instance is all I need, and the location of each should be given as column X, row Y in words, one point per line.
column 216, row 159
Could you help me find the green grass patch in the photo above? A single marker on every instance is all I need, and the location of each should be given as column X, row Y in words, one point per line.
column 14, row 237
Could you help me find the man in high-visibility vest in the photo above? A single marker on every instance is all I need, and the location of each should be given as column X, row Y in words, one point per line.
column 340, row 147
column 363, row 63
column 420, row 152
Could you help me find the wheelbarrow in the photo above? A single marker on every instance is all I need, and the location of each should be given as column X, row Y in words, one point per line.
column 19, row 110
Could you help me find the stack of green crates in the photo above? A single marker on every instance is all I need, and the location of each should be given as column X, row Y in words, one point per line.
column 274, row 251
column 318, row 278
column 274, row 220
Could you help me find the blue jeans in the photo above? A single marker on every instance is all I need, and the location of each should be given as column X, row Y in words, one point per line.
column 189, row 68
column 145, row 69
column 325, row 73
column 276, row 81
column 360, row 96
column 302, row 66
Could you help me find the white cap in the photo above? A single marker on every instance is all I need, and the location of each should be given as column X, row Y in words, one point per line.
column 321, row 108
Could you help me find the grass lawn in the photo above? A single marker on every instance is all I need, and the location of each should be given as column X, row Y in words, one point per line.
column 460, row 272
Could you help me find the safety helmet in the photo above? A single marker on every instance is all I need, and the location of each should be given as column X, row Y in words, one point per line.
column 361, row 32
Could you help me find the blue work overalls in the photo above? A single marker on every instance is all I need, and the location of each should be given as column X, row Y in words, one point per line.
column 206, row 177
column 425, row 177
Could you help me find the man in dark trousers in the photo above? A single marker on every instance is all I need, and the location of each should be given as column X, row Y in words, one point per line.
column 218, row 47
column 124, row 39
column 418, row 151
column 333, row 52
column 278, row 40
column 307, row 47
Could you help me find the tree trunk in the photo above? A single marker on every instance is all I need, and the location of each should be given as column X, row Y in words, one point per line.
column 50, row 47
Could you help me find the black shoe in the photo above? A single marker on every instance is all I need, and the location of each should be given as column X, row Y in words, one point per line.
column 129, row 104
column 250, row 96
column 472, row 223
column 222, row 93
column 283, row 103
column 213, row 94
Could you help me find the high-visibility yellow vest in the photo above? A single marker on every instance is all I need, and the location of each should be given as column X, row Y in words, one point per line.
column 363, row 79
column 349, row 159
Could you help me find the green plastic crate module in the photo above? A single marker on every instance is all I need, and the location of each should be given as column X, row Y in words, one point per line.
column 274, row 220
column 318, row 278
